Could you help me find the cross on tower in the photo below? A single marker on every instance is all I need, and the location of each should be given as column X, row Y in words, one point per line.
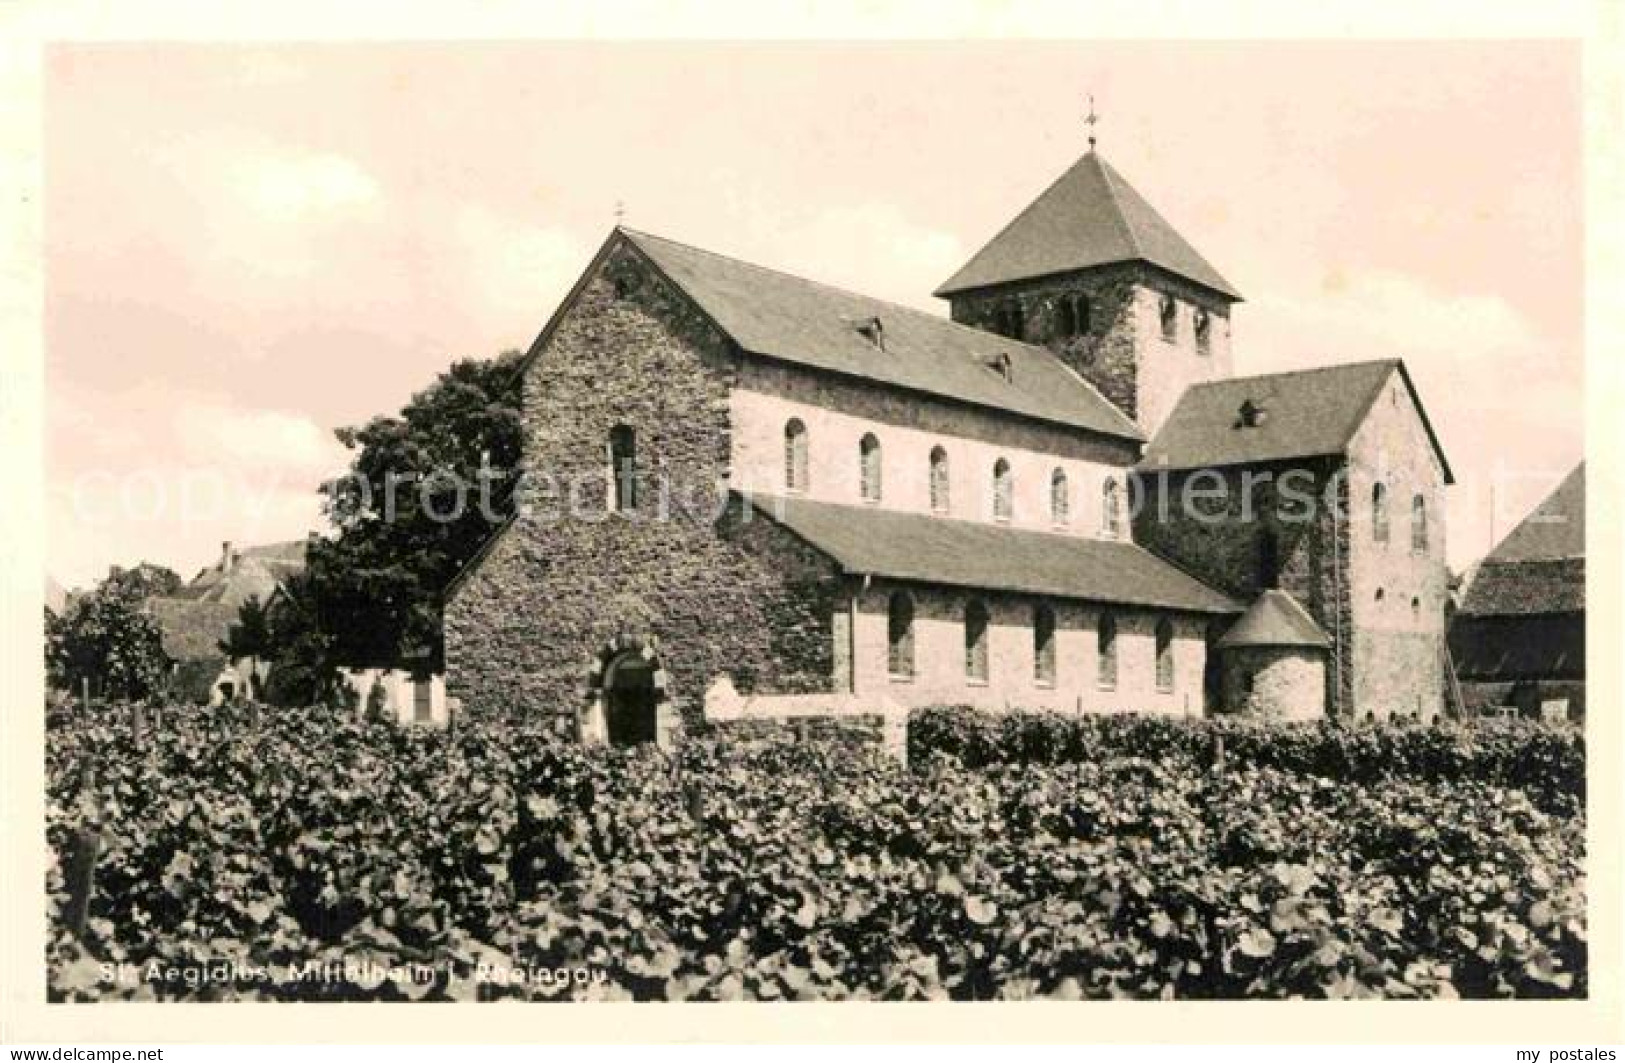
column 620, row 212
column 1091, row 120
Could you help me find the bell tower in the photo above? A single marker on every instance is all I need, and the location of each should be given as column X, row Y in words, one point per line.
column 1090, row 270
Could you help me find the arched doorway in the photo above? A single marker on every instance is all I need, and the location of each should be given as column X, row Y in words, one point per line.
column 631, row 700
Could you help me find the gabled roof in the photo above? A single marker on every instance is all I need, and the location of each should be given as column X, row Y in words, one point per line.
column 776, row 315
column 1523, row 588
column 192, row 630
column 255, row 572
column 1307, row 413
column 864, row 540
column 1089, row 217
column 1275, row 619
column 1555, row 529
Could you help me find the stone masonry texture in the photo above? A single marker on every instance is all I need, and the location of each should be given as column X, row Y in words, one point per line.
column 1214, row 523
column 1124, row 354
column 1274, row 682
column 721, row 590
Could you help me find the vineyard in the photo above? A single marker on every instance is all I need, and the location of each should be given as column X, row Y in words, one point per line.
column 307, row 855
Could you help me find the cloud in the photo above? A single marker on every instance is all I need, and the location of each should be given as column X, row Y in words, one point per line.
column 257, row 439
column 126, row 485
column 1506, row 400
column 293, row 187
column 1380, row 314
column 171, row 515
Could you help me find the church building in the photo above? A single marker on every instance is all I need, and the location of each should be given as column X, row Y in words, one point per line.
column 749, row 494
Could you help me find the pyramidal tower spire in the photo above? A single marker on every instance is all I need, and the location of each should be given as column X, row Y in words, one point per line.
column 1094, row 272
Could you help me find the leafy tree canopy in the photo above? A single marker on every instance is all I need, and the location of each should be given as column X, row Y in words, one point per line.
column 108, row 637
column 250, row 636
column 424, row 491
column 145, row 580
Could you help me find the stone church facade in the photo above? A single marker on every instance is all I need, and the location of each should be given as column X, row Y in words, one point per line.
column 747, row 494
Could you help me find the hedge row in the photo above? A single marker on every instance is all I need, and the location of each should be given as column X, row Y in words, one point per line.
column 1547, row 762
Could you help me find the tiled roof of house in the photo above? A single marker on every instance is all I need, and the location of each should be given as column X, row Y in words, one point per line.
column 1275, row 619
column 780, row 316
column 1515, row 588
column 1511, row 648
column 1089, row 217
column 1305, row 413
column 1555, row 529
column 864, row 540
column 192, row 629
column 254, row 572
column 56, row 596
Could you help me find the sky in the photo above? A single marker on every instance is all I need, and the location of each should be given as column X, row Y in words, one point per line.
column 250, row 246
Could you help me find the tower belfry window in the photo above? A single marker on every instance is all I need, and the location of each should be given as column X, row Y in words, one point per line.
column 1072, row 316
column 1009, row 320
column 1204, row 332
column 1168, row 314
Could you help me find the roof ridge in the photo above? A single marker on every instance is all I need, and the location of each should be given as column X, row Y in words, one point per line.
column 1113, row 179
column 1007, row 226
column 1307, row 370
column 935, row 318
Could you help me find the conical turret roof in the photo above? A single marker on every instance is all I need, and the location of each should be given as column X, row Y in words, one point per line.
column 1275, row 619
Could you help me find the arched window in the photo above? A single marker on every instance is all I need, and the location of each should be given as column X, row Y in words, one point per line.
column 1165, row 655
column 1004, row 493
column 900, row 634
column 1204, row 332
column 1419, row 524
column 976, row 641
column 1379, row 513
column 1106, row 651
column 1012, row 322
column 1111, row 508
column 1168, row 314
column 1044, row 644
column 939, row 480
column 1269, row 558
column 795, row 455
column 1066, row 317
column 1060, row 497
column 869, row 467
column 623, row 464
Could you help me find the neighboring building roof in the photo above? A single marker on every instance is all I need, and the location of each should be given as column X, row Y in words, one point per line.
column 776, row 315
column 56, row 596
column 192, row 629
column 252, row 572
column 1275, row 619
column 1306, row 413
column 1089, row 217
column 906, row 546
column 1511, row 648
column 1520, row 588
column 1555, row 529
